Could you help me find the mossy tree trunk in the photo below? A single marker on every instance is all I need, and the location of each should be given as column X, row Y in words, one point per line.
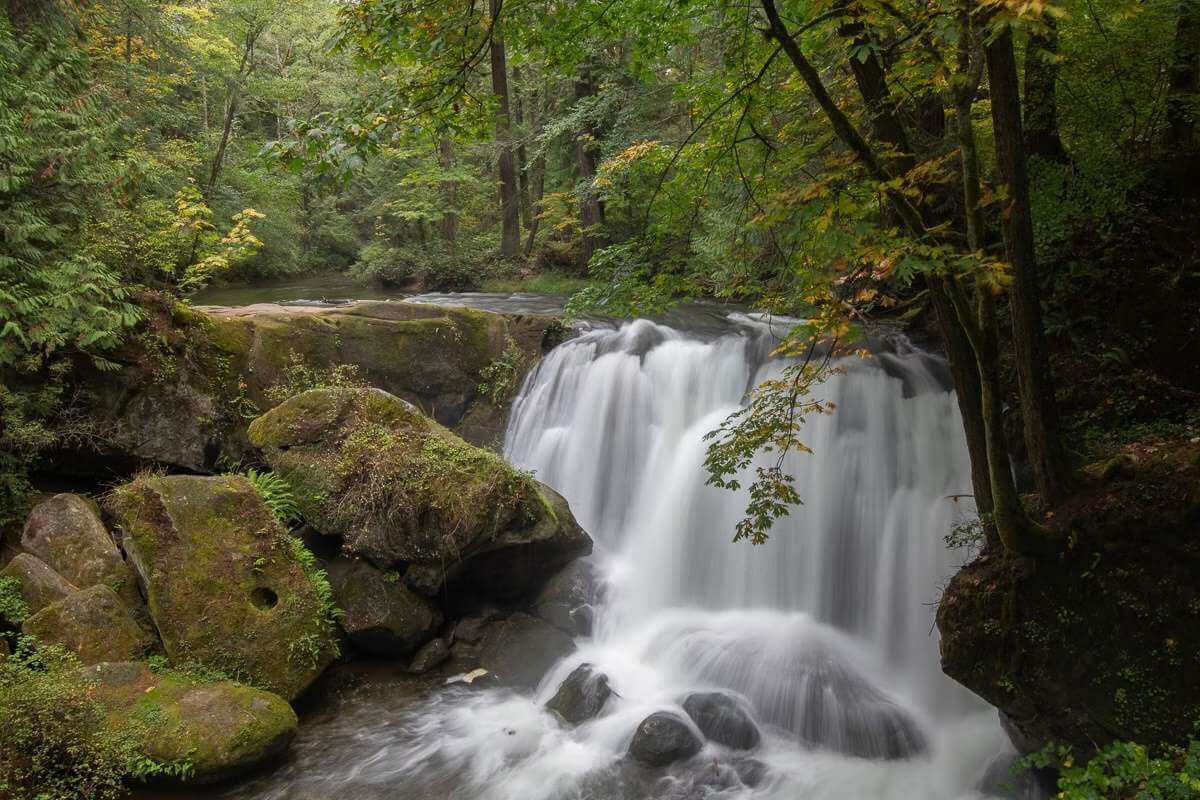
column 510, row 238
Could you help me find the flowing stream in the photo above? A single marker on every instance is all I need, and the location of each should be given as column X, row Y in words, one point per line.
column 825, row 632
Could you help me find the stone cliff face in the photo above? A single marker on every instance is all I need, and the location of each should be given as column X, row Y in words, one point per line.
column 1102, row 642
column 186, row 403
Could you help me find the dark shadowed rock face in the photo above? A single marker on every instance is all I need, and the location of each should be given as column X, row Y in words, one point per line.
column 581, row 696
column 67, row 534
column 380, row 615
column 517, row 649
column 430, row 657
column 567, row 599
column 663, row 738
column 221, row 729
column 225, row 583
column 40, row 585
column 406, row 494
column 723, row 718
column 93, row 623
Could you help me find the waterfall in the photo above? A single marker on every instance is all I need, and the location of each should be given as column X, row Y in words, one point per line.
column 825, row 633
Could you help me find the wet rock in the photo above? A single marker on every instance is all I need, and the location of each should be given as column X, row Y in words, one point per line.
column 581, row 696
column 750, row 771
column 40, row 585
column 429, row 657
column 220, row 729
column 567, row 598
column 381, row 615
column 404, row 492
column 226, row 585
column 724, row 719
column 518, row 649
column 1005, row 779
column 663, row 738
column 93, row 623
column 66, row 533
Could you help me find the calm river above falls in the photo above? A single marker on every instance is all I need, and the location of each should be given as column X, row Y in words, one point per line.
column 826, row 632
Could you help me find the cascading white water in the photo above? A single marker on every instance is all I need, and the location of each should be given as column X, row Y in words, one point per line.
column 825, row 631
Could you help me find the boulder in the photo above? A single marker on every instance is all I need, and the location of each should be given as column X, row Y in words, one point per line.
column 210, row 731
column 663, row 738
column 67, row 534
column 723, row 718
column 432, row 655
column 93, row 623
column 380, row 614
column 226, row 585
column 581, row 696
column 567, row 598
column 405, row 493
column 40, row 585
column 518, row 649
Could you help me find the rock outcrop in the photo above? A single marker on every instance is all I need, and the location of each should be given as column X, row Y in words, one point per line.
column 189, row 407
column 66, row 533
column 93, row 623
column 408, row 495
column 380, row 615
column 567, row 599
column 226, row 585
column 1100, row 642
column 518, row 650
column 724, row 719
column 581, row 696
column 206, row 732
column 40, row 585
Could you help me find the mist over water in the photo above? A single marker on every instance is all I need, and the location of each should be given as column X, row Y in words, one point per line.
column 825, row 632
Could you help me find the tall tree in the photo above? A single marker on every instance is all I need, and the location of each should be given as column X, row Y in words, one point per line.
column 1042, row 139
column 1183, row 90
column 510, row 235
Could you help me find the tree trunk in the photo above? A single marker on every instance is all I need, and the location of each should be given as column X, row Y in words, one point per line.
column 1041, row 95
column 510, row 214
column 245, row 67
column 591, row 214
column 449, row 221
column 522, row 151
column 537, row 178
column 1039, row 412
column 1183, row 91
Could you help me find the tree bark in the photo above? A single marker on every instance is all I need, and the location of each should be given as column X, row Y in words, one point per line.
column 591, row 215
column 1183, row 91
column 232, row 103
column 1039, row 411
column 510, row 238
column 537, row 177
column 1042, row 139
column 522, row 152
column 449, row 222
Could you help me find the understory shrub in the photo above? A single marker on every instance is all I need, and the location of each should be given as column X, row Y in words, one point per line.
column 1126, row 771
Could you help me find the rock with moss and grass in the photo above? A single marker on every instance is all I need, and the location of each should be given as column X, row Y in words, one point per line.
column 189, row 730
column 67, row 534
column 1100, row 643
column 380, row 614
column 38, row 585
column 93, row 623
column 227, row 586
column 409, row 496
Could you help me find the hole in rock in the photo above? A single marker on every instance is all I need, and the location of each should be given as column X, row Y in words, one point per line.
column 264, row 598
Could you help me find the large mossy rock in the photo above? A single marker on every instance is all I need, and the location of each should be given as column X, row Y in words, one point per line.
column 40, row 585
column 407, row 494
column 93, row 623
column 66, row 533
column 227, row 586
column 209, row 731
column 380, row 614
column 187, row 405
column 1100, row 642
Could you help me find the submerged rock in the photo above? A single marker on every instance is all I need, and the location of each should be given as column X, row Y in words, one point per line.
column 67, row 534
column 404, row 492
column 209, row 731
column 380, row 615
column 581, row 696
column 663, row 738
column 723, row 718
column 40, row 585
column 566, row 600
column 226, row 585
column 93, row 623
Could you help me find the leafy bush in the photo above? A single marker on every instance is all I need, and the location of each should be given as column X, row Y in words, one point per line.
column 13, row 610
column 57, row 744
column 1125, row 771
column 299, row 377
column 500, row 377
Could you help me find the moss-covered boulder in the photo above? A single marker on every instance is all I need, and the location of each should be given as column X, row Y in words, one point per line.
column 93, row 623
column 380, row 614
column 196, row 732
column 226, row 585
column 409, row 495
column 40, row 585
column 1100, row 642
column 66, row 532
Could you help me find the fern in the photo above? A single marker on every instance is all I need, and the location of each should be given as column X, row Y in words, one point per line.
column 277, row 493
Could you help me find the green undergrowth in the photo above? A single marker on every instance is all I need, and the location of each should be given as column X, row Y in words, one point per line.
column 547, row 283
column 1124, row 771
